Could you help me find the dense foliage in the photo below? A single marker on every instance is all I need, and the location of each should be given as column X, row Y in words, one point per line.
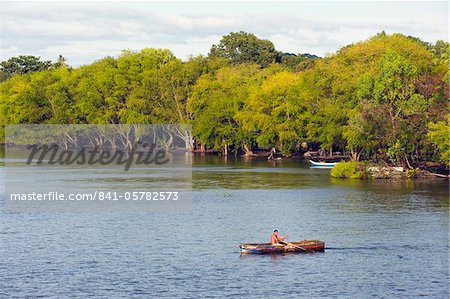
column 25, row 64
column 382, row 99
column 349, row 170
column 242, row 47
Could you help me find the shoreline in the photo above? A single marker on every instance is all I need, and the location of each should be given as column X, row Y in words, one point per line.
column 391, row 172
column 366, row 171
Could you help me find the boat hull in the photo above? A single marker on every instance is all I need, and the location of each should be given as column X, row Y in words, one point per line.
column 305, row 246
column 322, row 164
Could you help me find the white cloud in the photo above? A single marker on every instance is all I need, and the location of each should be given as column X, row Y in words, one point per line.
column 83, row 32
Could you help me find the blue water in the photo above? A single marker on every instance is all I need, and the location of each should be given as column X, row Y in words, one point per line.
column 383, row 239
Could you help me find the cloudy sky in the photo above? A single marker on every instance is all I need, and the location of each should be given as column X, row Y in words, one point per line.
column 85, row 31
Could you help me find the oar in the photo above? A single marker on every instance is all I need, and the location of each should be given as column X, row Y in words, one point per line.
column 296, row 246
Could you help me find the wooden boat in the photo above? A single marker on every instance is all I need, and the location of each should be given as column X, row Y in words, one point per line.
column 305, row 246
column 322, row 164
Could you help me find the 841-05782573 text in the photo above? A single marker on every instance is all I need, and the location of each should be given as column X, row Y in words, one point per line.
column 97, row 196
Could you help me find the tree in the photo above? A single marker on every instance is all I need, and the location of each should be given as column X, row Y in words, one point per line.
column 440, row 49
column 24, row 100
column 385, row 98
column 273, row 112
column 60, row 97
column 298, row 62
column 394, row 90
column 348, row 95
column 439, row 135
column 22, row 64
column 243, row 47
column 215, row 101
column 176, row 80
column 93, row 88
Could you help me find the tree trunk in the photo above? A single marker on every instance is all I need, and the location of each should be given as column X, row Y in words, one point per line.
column 355, row 155
column 186, row 136
column 168, row 142
column 407, row 162
column 189, row 141
column 272, row 154
column 225, row 150
column 248, row 152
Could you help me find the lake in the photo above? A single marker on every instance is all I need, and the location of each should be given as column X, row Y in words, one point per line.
column 383, row 239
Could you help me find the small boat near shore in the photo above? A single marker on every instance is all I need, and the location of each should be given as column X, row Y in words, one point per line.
column 305, row 246
column 322, row 164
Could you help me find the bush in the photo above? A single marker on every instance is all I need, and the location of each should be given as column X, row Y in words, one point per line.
column 349, row 170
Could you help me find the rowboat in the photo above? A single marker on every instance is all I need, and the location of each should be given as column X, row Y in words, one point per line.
column 304, row 246
column 322, row 164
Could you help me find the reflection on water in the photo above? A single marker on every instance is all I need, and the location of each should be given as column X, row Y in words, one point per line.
column 383, row 239
column 210, row 172
column 255, row 173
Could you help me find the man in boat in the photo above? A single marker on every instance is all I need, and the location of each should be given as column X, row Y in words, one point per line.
column 278, row 240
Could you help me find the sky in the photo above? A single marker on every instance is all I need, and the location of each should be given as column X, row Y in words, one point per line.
column 84, row 31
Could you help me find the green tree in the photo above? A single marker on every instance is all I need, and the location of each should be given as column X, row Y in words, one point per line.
column 215, row 101
column 243, row 47
column 298, row 62
column 394, row 90
column 360, row 87
column 273, row 112
column 22, row 64
column 93, row 88
column 439, row 135
column 385, row 98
